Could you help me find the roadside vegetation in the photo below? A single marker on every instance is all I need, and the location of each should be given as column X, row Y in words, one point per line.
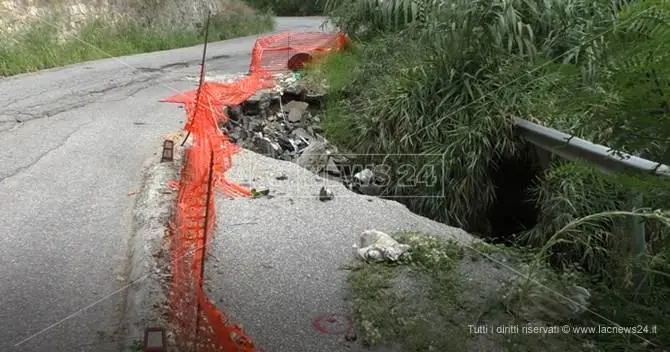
column 62, row 32
column 445, row 297
column 290, row 7
column 446, row 79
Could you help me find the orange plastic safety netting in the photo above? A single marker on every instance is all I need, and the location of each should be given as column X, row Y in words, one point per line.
column 197, row 321
column 290, row 50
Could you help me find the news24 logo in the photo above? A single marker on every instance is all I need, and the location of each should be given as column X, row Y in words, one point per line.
column 422, row 177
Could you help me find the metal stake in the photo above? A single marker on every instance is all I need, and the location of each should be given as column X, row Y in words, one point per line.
column 204, row 244
column 209, row 181
column 202, row 71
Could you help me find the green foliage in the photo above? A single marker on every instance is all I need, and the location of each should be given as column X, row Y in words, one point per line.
column 40, row 46
column 570, row 191
column 618, row 102
column 631, row 290
column 290, row 7
column 445, row 82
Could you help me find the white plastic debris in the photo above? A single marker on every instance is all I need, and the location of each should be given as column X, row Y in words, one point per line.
column 365, row 176
column 378, row 246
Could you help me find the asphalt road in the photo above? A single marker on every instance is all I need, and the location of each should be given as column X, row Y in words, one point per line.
column 73, row 143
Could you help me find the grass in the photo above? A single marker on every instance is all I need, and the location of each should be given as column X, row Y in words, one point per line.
column 40, row 46
column 436, row 299
column 388, row 314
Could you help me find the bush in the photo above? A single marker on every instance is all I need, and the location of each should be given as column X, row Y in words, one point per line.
column 446, row 83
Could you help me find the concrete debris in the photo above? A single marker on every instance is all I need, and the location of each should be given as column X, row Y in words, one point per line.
column 296, row 110
column 370, row 181
column 267, row 146
column 281, row 124
column 290, row 84
column 317, row 158
column 234, row 112
column 262, row 95
column 378, row 246
column 326, row 194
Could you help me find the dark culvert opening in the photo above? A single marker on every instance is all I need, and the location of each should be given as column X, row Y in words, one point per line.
column 513, row 210
column 298, row 61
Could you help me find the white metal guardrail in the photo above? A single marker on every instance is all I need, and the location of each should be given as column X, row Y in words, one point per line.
column 574, row 149
column 606, row 159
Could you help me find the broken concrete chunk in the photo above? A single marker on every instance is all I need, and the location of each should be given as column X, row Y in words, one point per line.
column 267, row 147
column 364, row 182
column 295, row 104
column 296, row 110
column 261, row 95
column 314, row 158
column 238, row 134
column 378, row 246
column 235, row 112
column 325, row 194
column 259, row 103
column 364, row 177
column 286, row 156
column 301, row 134
column 332, row 168
column 295, row 89
column 295, row 116
column 286, row 143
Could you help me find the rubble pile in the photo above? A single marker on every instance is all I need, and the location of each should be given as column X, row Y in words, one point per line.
column 284, row 123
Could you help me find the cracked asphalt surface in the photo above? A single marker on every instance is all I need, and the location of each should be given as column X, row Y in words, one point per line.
column 73, row 144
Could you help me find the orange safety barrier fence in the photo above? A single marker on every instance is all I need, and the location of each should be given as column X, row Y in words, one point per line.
column 197, row 320
column 274, row 53
column 198, row 324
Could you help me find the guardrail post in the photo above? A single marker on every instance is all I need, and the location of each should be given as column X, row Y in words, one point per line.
column 543, row 156
column 638, row 243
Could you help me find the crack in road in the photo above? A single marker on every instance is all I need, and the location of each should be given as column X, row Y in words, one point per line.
column 180, row 64
column 131, row 94
column 85, row 98
column 43, row 155
column 163, row 68
column 88, row 97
